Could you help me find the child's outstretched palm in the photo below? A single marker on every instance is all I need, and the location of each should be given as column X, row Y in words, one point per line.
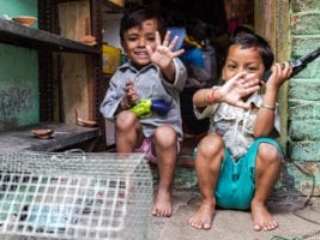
column 163, row 54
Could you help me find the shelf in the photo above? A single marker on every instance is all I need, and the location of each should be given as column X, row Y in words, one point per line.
column 13, row 33
column 64, row 136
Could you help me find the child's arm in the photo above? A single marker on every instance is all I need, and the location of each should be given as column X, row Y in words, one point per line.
column 265, row 118
column 231, row 92
column 163, row 55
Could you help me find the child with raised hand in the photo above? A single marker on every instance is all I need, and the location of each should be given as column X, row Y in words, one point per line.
column 154, row 72
column 238, row 162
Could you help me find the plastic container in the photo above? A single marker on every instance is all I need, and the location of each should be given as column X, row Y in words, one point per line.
column 111, row 58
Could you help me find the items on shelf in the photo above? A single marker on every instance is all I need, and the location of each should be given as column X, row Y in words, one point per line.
column 117, row 2
column 111, row 58
column 25, row 20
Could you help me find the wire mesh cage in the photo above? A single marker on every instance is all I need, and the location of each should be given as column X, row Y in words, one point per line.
column 75, row 196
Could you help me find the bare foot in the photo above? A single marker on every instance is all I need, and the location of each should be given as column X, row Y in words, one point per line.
column 261, row 217
column 204, row 216
column 162, row 206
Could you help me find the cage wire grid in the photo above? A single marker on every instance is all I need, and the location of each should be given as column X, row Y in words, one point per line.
column 75, row 196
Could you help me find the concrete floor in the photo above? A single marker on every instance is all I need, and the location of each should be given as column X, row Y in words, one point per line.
column 236, row 225
column 294, row 224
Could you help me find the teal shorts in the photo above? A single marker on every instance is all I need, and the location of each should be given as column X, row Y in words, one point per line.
column 236, row 184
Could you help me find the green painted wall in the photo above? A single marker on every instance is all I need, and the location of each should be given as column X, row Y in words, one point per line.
column 19, row 84
column 304, row 94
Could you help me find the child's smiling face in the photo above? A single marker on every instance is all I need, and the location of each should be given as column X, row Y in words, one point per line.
column 137, row 38
column 246, row 60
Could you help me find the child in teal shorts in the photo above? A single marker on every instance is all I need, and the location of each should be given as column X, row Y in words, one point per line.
column 238, row 162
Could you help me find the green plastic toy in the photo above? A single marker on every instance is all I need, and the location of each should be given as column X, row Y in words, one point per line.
column 145, row 107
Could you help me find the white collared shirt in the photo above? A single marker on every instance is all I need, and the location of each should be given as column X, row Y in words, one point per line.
column 234, row 124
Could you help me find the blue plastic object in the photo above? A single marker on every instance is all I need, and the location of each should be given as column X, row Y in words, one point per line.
column 177, row 31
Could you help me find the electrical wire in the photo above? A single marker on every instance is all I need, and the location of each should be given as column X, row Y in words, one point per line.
column 294, row 212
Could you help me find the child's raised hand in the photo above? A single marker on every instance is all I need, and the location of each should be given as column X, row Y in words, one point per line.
column 163, row 53
column 236, row 89
column 280, row 73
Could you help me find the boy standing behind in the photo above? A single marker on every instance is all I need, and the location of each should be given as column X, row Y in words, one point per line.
column 238, row 162
column 154, row 72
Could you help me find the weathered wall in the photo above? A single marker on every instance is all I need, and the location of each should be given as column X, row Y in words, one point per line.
column 19, row 104
column 304, row 94
column 273, row 23
column 293, row 30
column 19, row 94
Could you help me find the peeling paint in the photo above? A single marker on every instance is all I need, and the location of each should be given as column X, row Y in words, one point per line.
column 305, row 151
column 18, row 103
column 15, row 99
column 305, row 23
column 300, row 178
column 305, row 5
column 301, row 130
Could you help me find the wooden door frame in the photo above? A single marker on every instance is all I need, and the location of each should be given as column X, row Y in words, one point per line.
column 272, row 21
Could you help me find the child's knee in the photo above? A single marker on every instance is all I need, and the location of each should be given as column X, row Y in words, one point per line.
column 165, row 134
column 125, row 120
column 268, row 152
column 211, row 144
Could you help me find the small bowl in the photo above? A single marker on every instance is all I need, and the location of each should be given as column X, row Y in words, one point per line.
column 25, row 20
column 89, row 40
column 43, row 133
column 86, row 123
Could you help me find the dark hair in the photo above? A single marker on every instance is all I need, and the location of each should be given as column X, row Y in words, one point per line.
column 137, row 17
column 242, row 29
column 255, row 41
column 199, row 30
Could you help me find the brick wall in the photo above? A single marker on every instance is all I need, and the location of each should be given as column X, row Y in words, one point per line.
column 304, row 94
